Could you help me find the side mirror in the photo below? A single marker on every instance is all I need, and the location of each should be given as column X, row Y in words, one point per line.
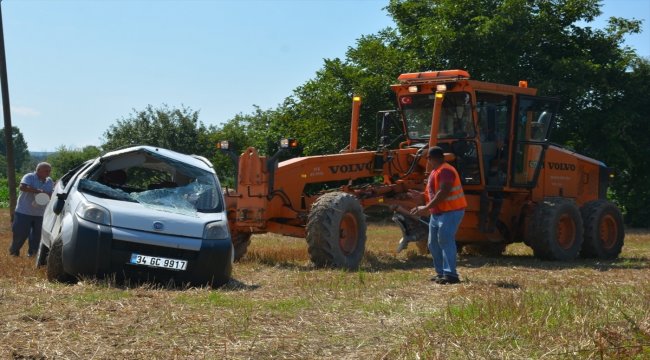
column 388, row 128
column 60, row 202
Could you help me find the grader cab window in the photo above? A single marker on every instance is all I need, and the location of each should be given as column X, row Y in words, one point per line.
column 418, row 112
column 456, row 117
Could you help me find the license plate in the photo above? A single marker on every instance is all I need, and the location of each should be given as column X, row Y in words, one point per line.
column 158, row 262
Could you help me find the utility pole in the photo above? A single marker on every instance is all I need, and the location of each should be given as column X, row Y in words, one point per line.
column 6, row 110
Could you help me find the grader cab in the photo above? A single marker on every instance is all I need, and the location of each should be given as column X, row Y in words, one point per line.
column 519, row 187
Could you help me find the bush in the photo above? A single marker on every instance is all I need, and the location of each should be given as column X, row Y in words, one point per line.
column 4, row 194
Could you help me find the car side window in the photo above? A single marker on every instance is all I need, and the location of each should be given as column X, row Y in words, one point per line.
column 66, row 178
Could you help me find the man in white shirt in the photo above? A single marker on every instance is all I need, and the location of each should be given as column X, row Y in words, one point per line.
column 28, row 218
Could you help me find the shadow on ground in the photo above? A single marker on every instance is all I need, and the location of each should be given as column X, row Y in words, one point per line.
column 376, row 262
column 534, row 263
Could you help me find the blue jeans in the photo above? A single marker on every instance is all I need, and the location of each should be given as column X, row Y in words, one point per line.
column 25, row 226
column 442, row 241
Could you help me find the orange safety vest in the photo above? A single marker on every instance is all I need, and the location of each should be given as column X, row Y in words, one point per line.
column 456, row 198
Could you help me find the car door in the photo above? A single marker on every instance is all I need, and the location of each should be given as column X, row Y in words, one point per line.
column 52, row 220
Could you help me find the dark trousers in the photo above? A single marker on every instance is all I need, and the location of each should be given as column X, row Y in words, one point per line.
column 26, row 226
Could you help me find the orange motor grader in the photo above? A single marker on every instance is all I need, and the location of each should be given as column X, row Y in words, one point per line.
column 519, row 187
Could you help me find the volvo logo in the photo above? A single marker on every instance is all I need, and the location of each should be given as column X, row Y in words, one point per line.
column 158, row 225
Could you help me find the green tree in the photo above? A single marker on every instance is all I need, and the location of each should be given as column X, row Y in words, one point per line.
column 235, row 132
column 619, row 131
column 64, row 159
column 21, row 153
column 177, row 129
column 3, row 167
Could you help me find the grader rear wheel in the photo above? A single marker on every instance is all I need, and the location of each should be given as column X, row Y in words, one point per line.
column 604, row 232
column 336, row 231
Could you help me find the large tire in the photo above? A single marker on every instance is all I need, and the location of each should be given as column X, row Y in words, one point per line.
column 41, row 255
column 604, row 231
column 55, row 270
column 556, row 230
column 240, row 242
column 336, row 231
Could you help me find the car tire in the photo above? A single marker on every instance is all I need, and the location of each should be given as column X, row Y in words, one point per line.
column 55, row 272
column 41, row 255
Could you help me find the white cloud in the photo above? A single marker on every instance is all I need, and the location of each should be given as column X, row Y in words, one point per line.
column 23, row 111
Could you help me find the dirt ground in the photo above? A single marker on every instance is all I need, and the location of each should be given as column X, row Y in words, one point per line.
column 278, row 306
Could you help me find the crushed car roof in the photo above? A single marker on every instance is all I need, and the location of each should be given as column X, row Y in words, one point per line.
column 193, row 160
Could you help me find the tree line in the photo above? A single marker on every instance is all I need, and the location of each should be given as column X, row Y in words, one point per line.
column 602, row 84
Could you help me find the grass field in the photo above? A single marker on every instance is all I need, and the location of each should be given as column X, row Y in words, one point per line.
column 278, row 306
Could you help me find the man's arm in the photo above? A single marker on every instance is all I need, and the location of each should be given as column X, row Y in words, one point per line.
column 26, row 188
column 443, row 192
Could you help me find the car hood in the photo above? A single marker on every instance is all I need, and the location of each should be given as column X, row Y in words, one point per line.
column 136, row 216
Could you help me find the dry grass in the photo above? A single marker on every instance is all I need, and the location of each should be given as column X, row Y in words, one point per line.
column 279, row 306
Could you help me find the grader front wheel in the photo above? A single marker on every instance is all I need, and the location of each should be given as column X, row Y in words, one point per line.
column 336, row 231
column 240, row 242
column 556, row 232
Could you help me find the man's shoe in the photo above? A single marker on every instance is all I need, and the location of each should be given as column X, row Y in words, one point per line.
column 448, row 280
column 437, row 278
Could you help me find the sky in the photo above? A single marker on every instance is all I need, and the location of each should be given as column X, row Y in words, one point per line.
column 76, row 67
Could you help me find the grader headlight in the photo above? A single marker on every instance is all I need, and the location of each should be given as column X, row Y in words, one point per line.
column 288, row 143
column 223, row 145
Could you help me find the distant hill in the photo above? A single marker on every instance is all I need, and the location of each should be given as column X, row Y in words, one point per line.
column 40, row 155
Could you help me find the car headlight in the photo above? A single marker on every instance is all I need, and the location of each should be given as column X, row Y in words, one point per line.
column 94, row 213
column 217, row 230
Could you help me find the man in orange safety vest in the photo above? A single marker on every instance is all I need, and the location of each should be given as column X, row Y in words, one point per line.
column 447, row 205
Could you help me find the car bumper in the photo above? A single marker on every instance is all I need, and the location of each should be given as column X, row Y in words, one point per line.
column 94, row 250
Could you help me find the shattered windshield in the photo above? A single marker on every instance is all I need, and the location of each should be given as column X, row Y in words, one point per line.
column 455, row 117
column 156, row 182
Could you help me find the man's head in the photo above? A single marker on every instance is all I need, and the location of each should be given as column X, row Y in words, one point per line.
column 436, row 156
column 43, row 170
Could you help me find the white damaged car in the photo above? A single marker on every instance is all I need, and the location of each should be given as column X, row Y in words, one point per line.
column 141, row 213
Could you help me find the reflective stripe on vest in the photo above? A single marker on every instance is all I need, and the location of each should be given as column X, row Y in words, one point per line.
column 456, row 198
